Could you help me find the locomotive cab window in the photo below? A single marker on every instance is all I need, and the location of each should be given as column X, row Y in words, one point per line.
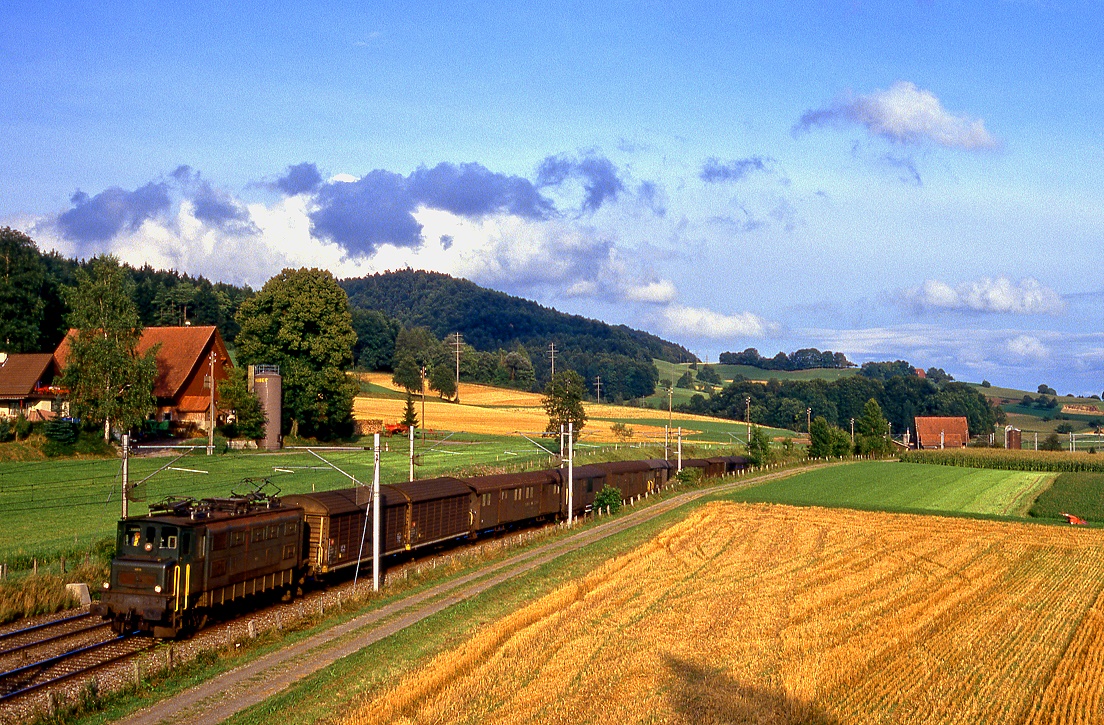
column 273, row 531
column 291, row 527
column 169, row 537
column 132, row 535
column 258, row 534
column 237, row 538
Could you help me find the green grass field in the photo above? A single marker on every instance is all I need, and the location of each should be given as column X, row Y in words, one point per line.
column 912, row 487
column 53, row 505
column 1081, row 494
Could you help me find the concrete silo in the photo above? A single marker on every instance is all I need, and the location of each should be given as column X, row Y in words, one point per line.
column 268, row 386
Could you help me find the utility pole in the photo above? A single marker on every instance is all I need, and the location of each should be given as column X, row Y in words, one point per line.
column 666, row 442
column 458, row 340
column 211, row 430
column 376, row 516
column 570, row 475
column 809, row 421
column 852, row 431
column 552, row 349
column 680, row 451
column 670, row 393
column 411, row 432
column 126, row 470
column 423, row 405
column 747, row 418
column 599, row 384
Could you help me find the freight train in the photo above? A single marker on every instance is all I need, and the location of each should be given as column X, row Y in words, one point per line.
column 190, row 558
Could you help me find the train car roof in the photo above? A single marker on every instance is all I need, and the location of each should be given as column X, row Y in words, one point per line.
column 660, row 463
column 432, row 488
column 695, row 462
column 626, row 466
column 498, row 481
column 589, row 471
column 190, row 512
column 343, row 500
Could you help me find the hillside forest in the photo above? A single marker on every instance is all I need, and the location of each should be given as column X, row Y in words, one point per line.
column 413, row 316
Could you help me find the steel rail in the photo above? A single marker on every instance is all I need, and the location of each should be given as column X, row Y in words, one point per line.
column 7, row 694
column 44, row 625
column 54, row 638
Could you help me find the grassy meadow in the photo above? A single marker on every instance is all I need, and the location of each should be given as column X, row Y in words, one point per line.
column 768, row 613
column 891, row 486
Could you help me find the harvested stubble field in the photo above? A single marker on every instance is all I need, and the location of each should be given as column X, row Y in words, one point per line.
column 767, row 613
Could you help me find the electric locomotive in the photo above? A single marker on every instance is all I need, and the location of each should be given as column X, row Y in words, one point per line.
column 186, row 557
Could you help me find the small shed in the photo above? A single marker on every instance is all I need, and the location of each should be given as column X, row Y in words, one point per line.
column 941, row 432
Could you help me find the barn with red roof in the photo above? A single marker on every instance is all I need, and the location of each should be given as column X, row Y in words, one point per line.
column 942, row 432
column 183, row 367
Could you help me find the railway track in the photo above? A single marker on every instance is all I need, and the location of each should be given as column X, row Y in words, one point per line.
column 53, row 668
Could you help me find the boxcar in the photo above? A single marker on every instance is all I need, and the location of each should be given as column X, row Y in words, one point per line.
column 509, row 498
column 335, row 528
column 587, row 482
column 659, row 472
column 631, row 477
column 438, row 509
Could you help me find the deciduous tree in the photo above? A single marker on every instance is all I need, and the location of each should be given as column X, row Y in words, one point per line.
column 236, row 398
column 108, row 381
column 300, row 320
column 22, row 275
column 563, row 401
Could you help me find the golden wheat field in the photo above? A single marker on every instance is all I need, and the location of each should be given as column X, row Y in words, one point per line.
column 774, row 614
column 499, row 411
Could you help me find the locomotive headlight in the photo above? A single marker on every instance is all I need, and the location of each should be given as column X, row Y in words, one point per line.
column 107, row 585
column 157, row 588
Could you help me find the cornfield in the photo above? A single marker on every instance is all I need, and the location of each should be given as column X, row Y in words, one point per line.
column 1054, row 461
column 767, row 613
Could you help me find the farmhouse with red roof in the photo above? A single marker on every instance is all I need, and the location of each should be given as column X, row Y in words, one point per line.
column 942, row 432
column 25, row 385
column 183, row 367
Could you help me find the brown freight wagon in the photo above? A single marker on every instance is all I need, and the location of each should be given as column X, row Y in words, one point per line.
column 335, row 526
column 659, row 472
column 508, row 498
column 439, row 509
column 587, row 482
column 632, row 478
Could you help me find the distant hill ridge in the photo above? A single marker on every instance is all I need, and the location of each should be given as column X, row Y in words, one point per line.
column 490, row 320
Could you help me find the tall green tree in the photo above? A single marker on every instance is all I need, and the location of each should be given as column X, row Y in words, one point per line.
column 108, row 381
column 872, row 430
column 443, row 379
column 22, row 275
column 827, row 441
column 300, row 320
column 408, row 375
column 758, row 447
column 563, row 401
column 376, row 334
column 236, row 398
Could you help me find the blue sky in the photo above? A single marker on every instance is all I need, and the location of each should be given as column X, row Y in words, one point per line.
column 917, row 180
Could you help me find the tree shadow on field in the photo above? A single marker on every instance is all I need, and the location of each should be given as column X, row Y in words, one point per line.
column 704, row 696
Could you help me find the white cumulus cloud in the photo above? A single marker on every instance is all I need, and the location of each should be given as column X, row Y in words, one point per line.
column 1027, row 347
column 704, row 323
column 659, row 292
column 999, row 295
column 906, row 114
